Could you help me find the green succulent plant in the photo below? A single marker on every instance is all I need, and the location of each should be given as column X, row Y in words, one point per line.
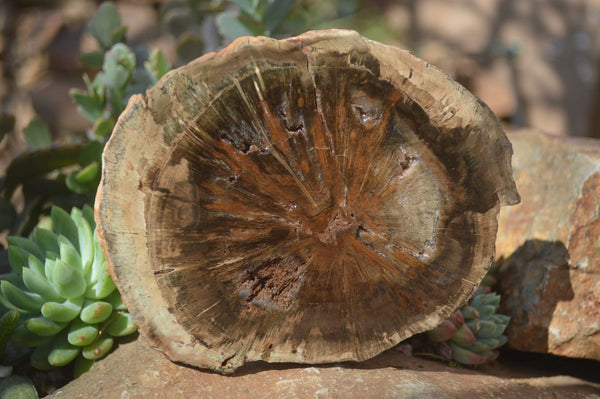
column 17, row 387
column 473, row 333
column 69, row 306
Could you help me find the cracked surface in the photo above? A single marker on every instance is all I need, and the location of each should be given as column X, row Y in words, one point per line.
column 301, row 202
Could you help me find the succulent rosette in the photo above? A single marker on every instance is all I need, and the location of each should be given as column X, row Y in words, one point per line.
column 473, row 333
column 70, row 308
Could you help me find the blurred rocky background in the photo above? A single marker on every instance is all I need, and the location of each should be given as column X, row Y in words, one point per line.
column 534, row 62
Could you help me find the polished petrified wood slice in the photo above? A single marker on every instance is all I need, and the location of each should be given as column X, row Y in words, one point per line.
column 315, row 199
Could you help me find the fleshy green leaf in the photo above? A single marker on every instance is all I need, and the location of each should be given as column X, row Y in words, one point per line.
column 121, row 325
column 7, row 124
column 23, row 337
column 8, row 322
column 464, row 336
column 46, row 240
column 8, row 214
column 88, row 105
column 294, row 23
column 103, row 287
column 17, row 387
column 100, row 348
column 37, row 134
column 43, row 327
column 68, row 280
column 86, row 239
column 49, row 266
column 62, row 311
column 176, row 20
column 95, row 87
column 13, row 278
column 84, row 180
column 116, row 301
column 89, row 174
column 119, row 64
column 118, row 35
column 157, row 65
column 64, row 225
column 103, row 127
column 96, row 312
column 38, row 284
column 488, row 329
column 19, row 299
column 62, row 352
column 39, row 357
column 276, row 12
column 466, row 356
column 117, row 100
column 94, row 59
column 69, row 255
column 443, row 332
column 88, row 214
column 99, row 263
column 232, row 26
column 81, row 333
column 189, row 47
column 81, row 366
column 104, row 24
column 247, row 6
column 18, row 259
column 38, row 163
column 36, row 266
column 26, row 244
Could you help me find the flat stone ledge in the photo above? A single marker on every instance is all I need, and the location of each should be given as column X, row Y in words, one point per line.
column 136, row 371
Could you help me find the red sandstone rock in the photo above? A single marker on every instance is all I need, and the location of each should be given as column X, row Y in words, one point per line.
column 136, row 371
column 550, row 275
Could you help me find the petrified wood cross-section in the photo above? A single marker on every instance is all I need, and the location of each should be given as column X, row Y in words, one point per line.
column 312, row 200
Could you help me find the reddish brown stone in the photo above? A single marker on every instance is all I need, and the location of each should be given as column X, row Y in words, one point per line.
column 550, row 275
column 136, row 371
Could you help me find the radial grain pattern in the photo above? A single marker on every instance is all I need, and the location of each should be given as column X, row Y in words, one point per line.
column 315, row 199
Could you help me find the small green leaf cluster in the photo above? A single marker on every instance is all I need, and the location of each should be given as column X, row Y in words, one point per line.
column 68, row 175
column 17, row 387
column 123, row 72
column 473, row 333
column 8, row 322
column 11, row 386
column 255, row 17
column 42, row 176
column 70, row 308
column 202, row 26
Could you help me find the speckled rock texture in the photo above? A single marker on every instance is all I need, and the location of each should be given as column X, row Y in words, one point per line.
column 550, row 244
column 136, row 371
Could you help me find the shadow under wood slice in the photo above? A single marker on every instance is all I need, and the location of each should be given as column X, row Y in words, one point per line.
column 316, row 199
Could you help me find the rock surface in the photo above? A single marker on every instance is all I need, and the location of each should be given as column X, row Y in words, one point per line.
column 550, row 274
column 554, row 62
column 136, row 371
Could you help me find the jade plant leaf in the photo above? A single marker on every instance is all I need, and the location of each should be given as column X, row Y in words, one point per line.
column 104, row 24
column 37, row 134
